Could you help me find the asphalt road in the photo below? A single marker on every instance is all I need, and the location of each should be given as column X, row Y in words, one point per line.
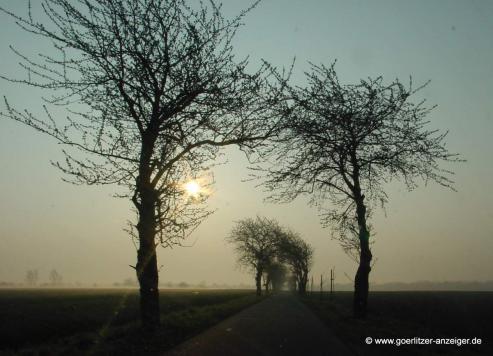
column 279, row 325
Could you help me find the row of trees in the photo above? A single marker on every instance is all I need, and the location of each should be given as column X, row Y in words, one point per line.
column 153, row 91
column 32, row 277
column 269, row 250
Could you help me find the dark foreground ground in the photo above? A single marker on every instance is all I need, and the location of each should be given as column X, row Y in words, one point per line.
column 76, row 322
column 397, row 315
column 96, row 321
column 278, row 326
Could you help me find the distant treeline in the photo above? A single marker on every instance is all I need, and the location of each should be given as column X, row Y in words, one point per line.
column 391, row 286
column 130, row 283
column 424, row 286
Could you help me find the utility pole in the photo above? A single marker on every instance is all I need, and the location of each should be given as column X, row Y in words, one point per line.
column 321, row 286
column 311, row 287
column 332, row 278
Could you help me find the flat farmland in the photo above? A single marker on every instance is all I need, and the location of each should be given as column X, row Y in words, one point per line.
column 446, row 315
column 106, row 320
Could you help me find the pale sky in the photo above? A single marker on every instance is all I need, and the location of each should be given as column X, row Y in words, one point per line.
column 429, row 234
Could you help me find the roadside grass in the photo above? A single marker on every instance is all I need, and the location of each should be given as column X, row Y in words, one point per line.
column 106, row 321
column 407, row 315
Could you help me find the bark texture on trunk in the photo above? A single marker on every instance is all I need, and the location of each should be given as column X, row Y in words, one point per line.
column 361, row 284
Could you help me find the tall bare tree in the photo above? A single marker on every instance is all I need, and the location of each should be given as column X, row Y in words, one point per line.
column 153, row 91
column 255, row 242
column 343, row 143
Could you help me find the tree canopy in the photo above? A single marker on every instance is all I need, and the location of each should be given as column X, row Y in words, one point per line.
column 341, row 145
column 264, row 246
column 152, row 91
column 255, row 243
column 297, row 254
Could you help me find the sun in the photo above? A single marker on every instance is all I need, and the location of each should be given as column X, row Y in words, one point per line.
column 192, row 188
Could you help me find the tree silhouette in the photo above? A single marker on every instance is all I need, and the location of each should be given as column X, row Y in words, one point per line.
column 343, row 143
column 153, row 91
column 55, row 278
column 276, row 275
column 297, row 254
column 32, row 277
column 255, row 242
column 265, row 247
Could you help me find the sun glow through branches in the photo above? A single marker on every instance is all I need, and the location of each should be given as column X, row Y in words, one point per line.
column 192, row 188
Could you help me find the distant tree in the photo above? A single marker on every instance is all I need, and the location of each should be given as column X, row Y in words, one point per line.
column 255, row 243
column 276, row 275
column 183, row 285
column 202, row 284
column 298, row 255
column 32, row 277
column 343, row 143
column 55, row 278
column 292, row 282
column 267, row 280
column 153, row 91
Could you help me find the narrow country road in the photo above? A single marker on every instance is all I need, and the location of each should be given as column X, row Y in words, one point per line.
column 279, row 325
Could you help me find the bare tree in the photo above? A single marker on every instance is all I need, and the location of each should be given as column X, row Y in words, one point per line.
column 343, row 143
column 153, row 91
column 255, row 243
column 297, row 254
column 32, row 277
column 55, row 278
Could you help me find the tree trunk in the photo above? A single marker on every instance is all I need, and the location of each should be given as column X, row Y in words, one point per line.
column 147, row 271
column 147, row 274
column 361, row 284
column 258, row 283
column 302, row 284
column 146, row 268
column 266, row 284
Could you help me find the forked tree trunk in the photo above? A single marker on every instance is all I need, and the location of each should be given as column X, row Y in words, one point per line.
column 361, row 284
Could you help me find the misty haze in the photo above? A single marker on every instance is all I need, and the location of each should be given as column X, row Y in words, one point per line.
column 264, row 177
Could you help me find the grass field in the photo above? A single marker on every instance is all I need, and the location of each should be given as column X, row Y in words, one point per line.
column 409, row 315
column 78, row 321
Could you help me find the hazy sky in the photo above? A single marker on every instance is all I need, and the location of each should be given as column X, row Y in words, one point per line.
column 429, row 234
